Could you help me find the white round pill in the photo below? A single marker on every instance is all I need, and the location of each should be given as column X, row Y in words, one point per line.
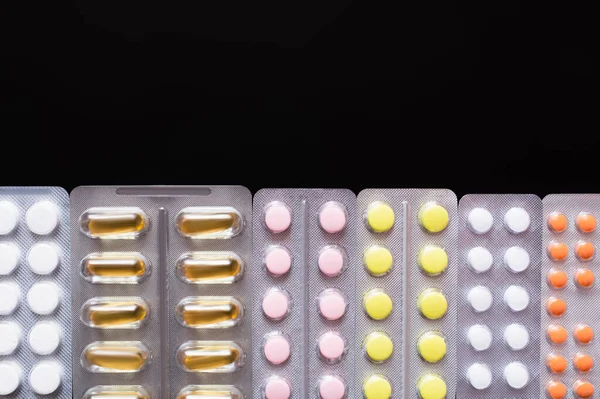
column 480, row 298
column 516, row 336
column 480, row 337
column 44, row 337
column 479, row 376
column 9, row 258
column 42, row 217
column 43, row 258
column 9, row 217
column 10, row 297
column 516, row 297
column 10, row 337
column 480, row 259
column 517, row 220
column 516, row 259
column 10, row 377
column 516, row 375
column 43, row 298
column 480, row 220
column 45, row 377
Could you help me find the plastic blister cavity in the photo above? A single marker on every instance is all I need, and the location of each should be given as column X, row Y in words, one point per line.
column 114, row 223
column 115, row 267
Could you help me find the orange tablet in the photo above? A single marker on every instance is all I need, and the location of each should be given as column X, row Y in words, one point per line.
column 584, row 278
column 556, row 363
column 557, row 278
column 583, row 389
column 583, row 362
column 586, row 222
column 558, row 250
column 583, row 333
column 585, row 250
column 557, row 334
column 556, row 306
column 556, row 390
column 557, row 222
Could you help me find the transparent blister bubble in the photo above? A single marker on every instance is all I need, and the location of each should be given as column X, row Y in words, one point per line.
column 115, row 312
column 115, row 268
column 114, row 223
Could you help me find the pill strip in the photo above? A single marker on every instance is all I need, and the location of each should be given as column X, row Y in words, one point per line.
column 499, row 325
column 315, row 229
column 35, row 327
column 569, row 221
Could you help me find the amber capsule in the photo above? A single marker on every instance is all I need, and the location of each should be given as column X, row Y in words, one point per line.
column 115, row 357
column 113, row 222
column 210, row 356
column 117, row 392
column 209, row 267
column 115, row 312
column 115, row 267
column 209, row 312
column 207, row 222
column 210, row 392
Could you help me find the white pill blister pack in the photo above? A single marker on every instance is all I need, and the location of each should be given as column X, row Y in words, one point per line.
column 499, row 294
column 303, row 273
column 35, row 307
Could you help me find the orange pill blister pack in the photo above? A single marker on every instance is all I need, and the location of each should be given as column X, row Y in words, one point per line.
column 569, row 296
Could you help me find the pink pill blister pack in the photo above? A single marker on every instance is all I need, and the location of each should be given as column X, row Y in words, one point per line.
column 303, row 319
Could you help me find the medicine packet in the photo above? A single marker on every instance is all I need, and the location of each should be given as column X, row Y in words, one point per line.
column 303, row 278
column 499, row 295
column 35, row 306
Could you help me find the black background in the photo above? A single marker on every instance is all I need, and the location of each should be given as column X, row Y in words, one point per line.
column 474, row 96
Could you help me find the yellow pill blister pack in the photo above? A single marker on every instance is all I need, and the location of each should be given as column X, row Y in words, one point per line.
column 407, row 330
column 160, row 298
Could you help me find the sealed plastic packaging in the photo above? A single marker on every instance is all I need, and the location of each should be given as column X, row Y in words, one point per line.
column 499, row 294
column 159, row 293
column 303, row 271
column 406, row 329
column 569, row 350
column 35, row 289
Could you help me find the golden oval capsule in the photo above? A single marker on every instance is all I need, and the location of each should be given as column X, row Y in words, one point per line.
column 209, row 267
column 115, row 357
column 209, row 312
column 207, row 222
column 115, row 312
column 210, row 392
column 210, row 356
column 115, row 267
column 113, row 222
column 117, row 392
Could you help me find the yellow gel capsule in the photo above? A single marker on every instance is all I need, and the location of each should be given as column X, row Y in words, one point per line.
column 114, row 312
column 210, row 392
column 209, row 312
column 117, row 392
column 378, row 260
column 209, row 222
column 432, row 346
column 378, row 347
column 115, row 267
column 432, row 303
column 432, row 259
column 115, row 357
column 379, row 217
column 377, row 387
column 210, row 356
column 377, row 304
column 113, row 222
column 431, row 386
column 209, row 267
column 433, row 217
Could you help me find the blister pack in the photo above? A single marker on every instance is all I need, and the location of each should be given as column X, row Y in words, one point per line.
column 569, row 296
column 160, row 292
column 35, row 307
column 406, row 330
column 304, row 263
column 499, row 294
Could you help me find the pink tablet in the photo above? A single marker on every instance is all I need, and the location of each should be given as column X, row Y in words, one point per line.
column 331, row 347
column 332, row 217
column 278, row 217
column 276, row 303
column 277, row 388
column 276, row 348
column 332, row 304
column 331, row 260
column 277, row 260
column 332, row 387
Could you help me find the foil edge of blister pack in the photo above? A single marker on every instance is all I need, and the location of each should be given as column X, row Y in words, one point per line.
column 24, row 197
column 497, row 280
column 580, row 301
